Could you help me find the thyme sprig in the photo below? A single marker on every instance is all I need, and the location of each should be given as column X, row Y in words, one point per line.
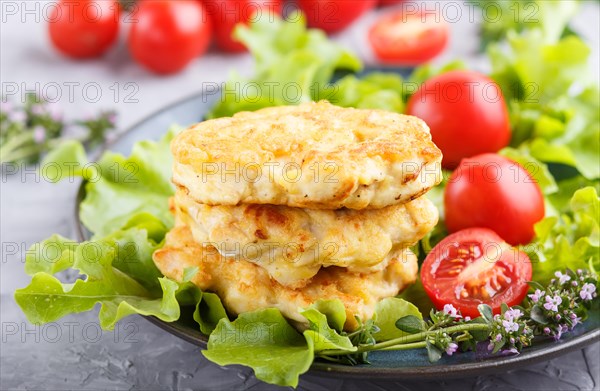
column 549, row 311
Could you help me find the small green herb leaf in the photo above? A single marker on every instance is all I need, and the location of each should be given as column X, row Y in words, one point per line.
column 486, row 312
column 433, row 353
column 410, row 324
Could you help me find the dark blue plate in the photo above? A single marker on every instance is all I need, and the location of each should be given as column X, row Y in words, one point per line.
column 411, row 364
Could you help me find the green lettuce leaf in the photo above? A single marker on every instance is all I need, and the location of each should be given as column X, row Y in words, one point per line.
column 141, row 183
column 334, row 311
column 387, row 312
column 553, row 100
column 567, row 187
column 416, row 295
column 374, row 91
column 571, row 240
column 47, row 299
column 264, row 341
column 321, row 335
column 293, row 65
column 538, row 170
column 425, row 72
column 552, row 17
column 209, row 311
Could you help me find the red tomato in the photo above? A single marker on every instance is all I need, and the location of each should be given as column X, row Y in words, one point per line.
column 385, row 3
column 84, row 29
column 492, row 191
column 226, row 14
column 475, row 266
column 334, row 15
column 408, row 39
column 167, row 35
column 466, row 113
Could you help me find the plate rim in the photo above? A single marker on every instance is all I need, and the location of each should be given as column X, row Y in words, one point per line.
column 476, row 368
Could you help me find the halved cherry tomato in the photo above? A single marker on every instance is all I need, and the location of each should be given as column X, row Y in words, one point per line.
column 334, row 15
column 408, row 39
column 475, row 266
column 494, row 192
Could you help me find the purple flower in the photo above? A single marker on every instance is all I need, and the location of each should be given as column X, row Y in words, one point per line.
column 6, row 107
column 112, row 118
column 510, row 351
column 17, row 116
column 575, row 320
column 562, row 278
column 498, row 337
column 54, row 112
column 535, row 297
column 587, row 291
column 38, row 109
column 546, row 330
column 510, row 326
column 561, row 329
column 552, row 303
column 452, row 347
column 512, row 314
column 451, row 311
column 39, row 134
column 491, row 346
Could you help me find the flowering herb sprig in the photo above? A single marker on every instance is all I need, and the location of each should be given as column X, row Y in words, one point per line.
column 563, row 304
column 549, row 311
column 36, row 127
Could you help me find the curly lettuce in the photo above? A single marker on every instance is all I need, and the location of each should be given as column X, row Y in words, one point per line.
column 293, row 65
column 553, row 100
column 568, row 241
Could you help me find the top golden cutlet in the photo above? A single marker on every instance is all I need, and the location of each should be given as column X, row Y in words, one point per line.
column 314, row 155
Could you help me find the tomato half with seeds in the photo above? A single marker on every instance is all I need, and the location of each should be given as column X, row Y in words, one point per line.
column 475, row 266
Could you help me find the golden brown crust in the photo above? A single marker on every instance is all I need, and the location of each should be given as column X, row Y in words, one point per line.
column 293, row 243
column 244, row 286
column 315, row 155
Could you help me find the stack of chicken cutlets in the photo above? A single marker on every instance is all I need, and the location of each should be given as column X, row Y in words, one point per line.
column 287, row 205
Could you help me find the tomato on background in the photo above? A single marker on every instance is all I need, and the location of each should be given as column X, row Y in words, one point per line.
column 225, row 14
column 475, row 266
column 385, row 3
column 84, row 29
column 167, row 35
column 492, row 191
column 408, row 39
column 466, row 113
column 333, row 15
